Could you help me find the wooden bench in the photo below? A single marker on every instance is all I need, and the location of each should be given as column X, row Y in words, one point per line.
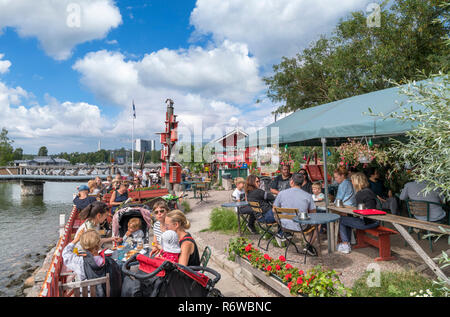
column 383, row 243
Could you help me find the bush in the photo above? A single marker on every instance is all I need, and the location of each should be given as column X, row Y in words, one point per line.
column 223, row 219
column 186, row 207
column 394, row 284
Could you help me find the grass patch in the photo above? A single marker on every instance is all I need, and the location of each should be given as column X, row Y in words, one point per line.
column 394, row 284
column 186, row 206
column 223, row 220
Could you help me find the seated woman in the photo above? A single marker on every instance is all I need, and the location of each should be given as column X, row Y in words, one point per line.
column 345, row 190
column 385, row 197
column 265, row 199
column 307, row 184
column 94, row 215
column 364, row 195
column 82, row 200
column 118, row 196
column 160, row 210
column 176, row 221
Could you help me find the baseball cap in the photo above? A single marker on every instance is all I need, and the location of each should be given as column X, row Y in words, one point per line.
column 83, row 187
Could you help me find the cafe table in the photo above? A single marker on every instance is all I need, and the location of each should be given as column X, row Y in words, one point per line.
column 236, row 205
column 316, row 219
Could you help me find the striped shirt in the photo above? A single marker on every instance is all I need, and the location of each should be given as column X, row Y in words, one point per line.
column 157, row 231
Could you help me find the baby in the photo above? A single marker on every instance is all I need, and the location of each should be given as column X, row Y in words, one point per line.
column 134, row 231
column 170, row 246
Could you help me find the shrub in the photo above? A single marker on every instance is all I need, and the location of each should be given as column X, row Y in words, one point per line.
column 223, row 219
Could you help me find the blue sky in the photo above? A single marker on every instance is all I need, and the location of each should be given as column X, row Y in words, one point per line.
column 69, row 87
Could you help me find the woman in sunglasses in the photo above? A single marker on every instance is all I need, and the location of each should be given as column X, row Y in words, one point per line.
column 160, row 210
column 265, row 199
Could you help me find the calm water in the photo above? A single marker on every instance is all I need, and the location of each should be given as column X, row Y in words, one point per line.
column 28, row 226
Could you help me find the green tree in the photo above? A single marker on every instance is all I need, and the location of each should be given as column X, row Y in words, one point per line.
column 18, row 154
column 43, row 151
column 6, row 149
column 358, row 59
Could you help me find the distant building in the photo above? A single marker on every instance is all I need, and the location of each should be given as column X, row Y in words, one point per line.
column 227, row 150
column 42, row 161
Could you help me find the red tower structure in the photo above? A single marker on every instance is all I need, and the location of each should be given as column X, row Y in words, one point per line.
column 170, row 171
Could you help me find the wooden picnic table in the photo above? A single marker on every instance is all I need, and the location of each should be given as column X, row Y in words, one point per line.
column 398, row 222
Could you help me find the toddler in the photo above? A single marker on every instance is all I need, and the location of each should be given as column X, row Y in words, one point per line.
column 170, row 246
column 134, row 231
column 90, row 242
column 239, row 193
column 317, row 194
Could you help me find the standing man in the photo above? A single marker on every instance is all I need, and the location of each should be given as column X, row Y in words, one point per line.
column 281, row 182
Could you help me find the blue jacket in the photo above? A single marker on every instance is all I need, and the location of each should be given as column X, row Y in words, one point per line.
column 346, row 193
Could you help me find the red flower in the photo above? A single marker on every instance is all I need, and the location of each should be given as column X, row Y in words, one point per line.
column 269, row 268
column 257, row 259
column 300, row 280
column 267, row 257
column 288, row 276
column 249, row 257
column 248, row 248
column 288, row 266
column 282, row 258
column 301, row 272
column 289, row 285
column 278, row 267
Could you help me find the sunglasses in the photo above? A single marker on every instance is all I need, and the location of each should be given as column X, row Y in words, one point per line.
column 159, row 211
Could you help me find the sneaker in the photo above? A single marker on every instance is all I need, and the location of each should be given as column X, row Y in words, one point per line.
column 280, row 240
column 252, row 229
column 344, row 248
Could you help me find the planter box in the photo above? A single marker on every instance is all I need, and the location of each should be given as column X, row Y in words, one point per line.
column 271, row 281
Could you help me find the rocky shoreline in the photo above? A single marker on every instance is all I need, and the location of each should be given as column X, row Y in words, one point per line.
column 34, row 270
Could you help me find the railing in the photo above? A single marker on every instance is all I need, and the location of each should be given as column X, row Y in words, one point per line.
column 50, row 286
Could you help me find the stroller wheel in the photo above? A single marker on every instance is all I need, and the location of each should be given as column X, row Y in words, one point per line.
column 214, row 293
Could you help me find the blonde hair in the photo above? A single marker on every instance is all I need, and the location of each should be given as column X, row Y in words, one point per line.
column 316, row 185
column 91, row 184
column 90, row 240
column 238, row 180
column 179, row 217
column 359, row 181
column 134, row 223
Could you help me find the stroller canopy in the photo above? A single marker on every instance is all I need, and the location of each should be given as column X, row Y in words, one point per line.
column 122, row 216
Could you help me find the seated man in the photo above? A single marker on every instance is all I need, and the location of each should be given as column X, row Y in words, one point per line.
column 82, row 200
column 385, row 197
column 414, row 190
column 295, row 197
column 281, row 182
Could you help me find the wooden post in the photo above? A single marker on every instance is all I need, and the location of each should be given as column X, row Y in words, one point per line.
column 62, row 224
column 433, row 266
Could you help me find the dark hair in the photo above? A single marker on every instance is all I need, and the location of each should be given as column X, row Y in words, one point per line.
column 93, row 209
column 306, row 174
column 370, row 171
column 298, row 179
column 341, row 171
column 250, row 183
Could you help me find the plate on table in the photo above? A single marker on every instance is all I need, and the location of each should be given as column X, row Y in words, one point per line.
column 109, row 252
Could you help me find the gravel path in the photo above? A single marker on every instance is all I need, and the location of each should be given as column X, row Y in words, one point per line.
column 350, row 266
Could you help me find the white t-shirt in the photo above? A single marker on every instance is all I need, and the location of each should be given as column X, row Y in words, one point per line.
column 238, row 193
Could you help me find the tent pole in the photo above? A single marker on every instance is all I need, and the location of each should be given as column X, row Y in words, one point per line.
column 330, row 227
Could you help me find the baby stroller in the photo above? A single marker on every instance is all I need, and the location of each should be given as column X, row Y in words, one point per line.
column 157, row 277
column 122, row 216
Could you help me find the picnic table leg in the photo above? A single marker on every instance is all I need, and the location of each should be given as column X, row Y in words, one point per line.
column 336, row 232
column 318, row 241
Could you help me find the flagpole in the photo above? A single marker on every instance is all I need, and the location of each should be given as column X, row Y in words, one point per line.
column 132, row 141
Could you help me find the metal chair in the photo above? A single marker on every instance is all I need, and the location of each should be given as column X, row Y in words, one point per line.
column 266, row 227
column 243, row 218
column 421, row 208
column 88, row 287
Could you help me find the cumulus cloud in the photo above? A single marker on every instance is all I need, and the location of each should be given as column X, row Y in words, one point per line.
column 270, row 28
column 4, row 65
column 60, row 25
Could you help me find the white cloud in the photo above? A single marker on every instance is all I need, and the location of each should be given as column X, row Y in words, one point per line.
column 57, row 24
column 270, row 28
column 4, row 65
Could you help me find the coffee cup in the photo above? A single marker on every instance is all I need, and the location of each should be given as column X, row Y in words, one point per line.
column 338, row 203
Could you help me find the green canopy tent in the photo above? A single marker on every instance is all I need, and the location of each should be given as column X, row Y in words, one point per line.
column 334, row 122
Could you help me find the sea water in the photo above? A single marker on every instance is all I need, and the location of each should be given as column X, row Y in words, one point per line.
column 29, row 227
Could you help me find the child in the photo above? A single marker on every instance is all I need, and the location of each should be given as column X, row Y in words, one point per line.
column 93, row 264
column 317, row 194
column 239, row 193
column 134, row 231
column 170, row 247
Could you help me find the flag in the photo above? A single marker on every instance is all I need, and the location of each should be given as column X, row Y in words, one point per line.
column 134, row 110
